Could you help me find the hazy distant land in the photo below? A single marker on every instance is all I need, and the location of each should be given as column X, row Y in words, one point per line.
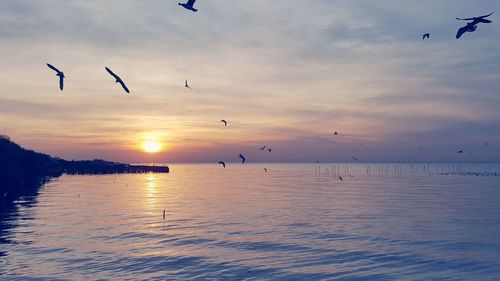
column 22, row 169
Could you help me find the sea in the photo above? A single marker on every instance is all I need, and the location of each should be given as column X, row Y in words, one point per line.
column 320, row 221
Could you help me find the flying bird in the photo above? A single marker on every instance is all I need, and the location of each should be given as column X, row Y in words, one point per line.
column 356, row 159
column 224, row 121
column 471, row 26
column 265, row 170
column 427, row 35
column 269, row 150
column 243, row 159
column 60, row 74
column 189, row 5
column 340, row 177
column 118, row 80
column 222, row 163
column 262, row 148
column 186, row 85
column 460, row 152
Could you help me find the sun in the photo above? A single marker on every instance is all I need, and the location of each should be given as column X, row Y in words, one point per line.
column 151, row 146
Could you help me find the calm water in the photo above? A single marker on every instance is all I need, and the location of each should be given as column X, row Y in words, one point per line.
column 296, row 222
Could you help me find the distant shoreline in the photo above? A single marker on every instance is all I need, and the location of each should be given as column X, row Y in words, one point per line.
column 23, row 171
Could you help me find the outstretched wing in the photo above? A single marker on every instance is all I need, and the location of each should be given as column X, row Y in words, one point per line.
column 466, row 19
column 124, row 86
column 482, row 17
column 53, row 67
column 476, row 18
column 461, row 31
column 112, row 73
column 481, row 20
column 190, row 3
column 223, row 164
column 61, row 82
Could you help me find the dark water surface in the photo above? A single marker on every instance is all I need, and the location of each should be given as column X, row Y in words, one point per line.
column 296, row 222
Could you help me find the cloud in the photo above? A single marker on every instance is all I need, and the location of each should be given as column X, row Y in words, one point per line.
column 286, row 72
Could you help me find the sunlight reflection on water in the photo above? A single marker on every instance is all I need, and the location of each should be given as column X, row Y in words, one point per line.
column 291, row 223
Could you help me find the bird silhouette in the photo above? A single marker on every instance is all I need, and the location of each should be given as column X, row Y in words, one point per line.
column 224, row 121
column 340, row 177
column 164, row 214
column 222, row 163
column 472, row 26
column 270, row 150
column 427, row 35
column 243, row 159
column 262, row 148
column 460, row 152
column 186, row 85
column 336, row 133
column 60, row 74
column 265, row 170
column 355, row 159
column 189, row 5
column 118, row 80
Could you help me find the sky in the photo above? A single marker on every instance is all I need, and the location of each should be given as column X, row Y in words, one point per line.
column 283, row 73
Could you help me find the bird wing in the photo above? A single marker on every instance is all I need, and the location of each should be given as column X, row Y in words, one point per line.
column 485, row 16
column 482, row 20
column 475, row 18
column 461, row 31
column 61, row 83
column 112, row 73
column 124, row 86
column 53, row 68
column 190, row 2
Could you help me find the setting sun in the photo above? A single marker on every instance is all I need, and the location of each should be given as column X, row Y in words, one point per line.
column 151, row 146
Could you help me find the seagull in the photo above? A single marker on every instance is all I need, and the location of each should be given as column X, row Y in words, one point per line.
column 186, row 85
column 427, row 35
column 243, row 159
column 471, row 26
column 262, row 148
column 118, row 80
column 356, row 159
column 460, row 152
column 222, row 163
column 224, row 121
column 60, row 74
column 189, row 5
